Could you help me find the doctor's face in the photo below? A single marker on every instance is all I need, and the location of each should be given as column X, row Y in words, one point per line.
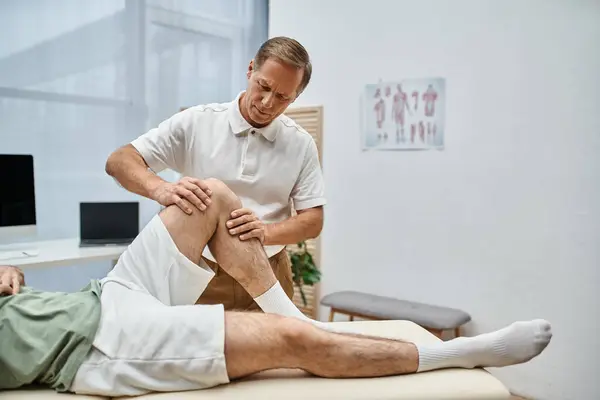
column 271, row 89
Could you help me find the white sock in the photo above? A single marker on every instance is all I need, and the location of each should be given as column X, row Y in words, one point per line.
column 275, row 301
column 514, row 344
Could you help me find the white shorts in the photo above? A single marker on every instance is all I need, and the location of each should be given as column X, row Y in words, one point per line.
column 152, row 337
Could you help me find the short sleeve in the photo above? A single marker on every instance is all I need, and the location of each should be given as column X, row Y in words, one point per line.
column 309, row 190
column 168, row 145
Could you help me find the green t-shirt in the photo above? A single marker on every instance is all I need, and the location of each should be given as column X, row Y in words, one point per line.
column 45, row 336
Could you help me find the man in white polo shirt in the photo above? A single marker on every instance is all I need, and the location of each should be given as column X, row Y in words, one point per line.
column 263, row 156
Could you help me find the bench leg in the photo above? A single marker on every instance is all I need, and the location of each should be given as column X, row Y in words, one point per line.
column 457, row 332
column 333, row 311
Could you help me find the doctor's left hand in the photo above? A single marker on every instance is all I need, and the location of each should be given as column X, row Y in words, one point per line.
column 244, row 223
column 11, row 280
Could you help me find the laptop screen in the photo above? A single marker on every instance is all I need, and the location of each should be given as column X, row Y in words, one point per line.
column 109, row 221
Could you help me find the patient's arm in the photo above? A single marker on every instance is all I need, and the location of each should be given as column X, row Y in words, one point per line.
column 11, row 280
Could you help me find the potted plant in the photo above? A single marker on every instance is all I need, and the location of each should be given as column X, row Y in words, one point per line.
column 304, row 270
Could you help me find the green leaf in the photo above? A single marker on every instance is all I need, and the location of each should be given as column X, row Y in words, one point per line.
column 304, row 270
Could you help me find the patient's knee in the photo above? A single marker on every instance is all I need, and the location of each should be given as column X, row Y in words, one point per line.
column 299, row 335
column 223, row 201
column 222, row 196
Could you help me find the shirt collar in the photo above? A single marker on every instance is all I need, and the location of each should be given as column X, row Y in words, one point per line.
column 239, row 124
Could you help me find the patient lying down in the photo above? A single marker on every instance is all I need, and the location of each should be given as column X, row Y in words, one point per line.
column 138, row 330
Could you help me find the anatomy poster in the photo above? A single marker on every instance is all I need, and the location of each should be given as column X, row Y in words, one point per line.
column 404, row 115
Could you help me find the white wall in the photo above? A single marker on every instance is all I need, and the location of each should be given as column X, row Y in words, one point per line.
column 505, row 222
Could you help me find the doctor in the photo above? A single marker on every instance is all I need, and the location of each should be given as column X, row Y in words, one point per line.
column 263, row 156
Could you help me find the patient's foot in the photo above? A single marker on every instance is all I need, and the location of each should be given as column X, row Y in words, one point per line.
column 514, row 344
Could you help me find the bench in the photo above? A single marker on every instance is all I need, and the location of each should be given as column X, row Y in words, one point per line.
column 435, row 319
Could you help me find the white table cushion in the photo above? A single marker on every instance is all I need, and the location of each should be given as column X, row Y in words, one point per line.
column 449, row 384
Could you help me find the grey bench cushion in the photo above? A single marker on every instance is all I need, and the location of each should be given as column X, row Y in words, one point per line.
column 370, row 305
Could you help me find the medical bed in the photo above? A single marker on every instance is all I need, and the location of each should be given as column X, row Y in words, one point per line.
column 449, row 384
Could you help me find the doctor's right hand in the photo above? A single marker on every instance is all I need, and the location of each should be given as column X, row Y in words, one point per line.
column 193, row 190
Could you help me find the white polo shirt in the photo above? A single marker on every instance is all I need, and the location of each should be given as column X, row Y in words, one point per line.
column 265, row 167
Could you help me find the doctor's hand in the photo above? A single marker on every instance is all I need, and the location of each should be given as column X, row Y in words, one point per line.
column 11, row 280
column 191, row 189
column 244, row 223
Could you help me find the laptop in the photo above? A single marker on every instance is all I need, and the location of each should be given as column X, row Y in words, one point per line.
column 108, row 223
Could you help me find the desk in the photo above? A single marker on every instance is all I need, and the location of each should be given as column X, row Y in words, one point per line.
column 64, row 252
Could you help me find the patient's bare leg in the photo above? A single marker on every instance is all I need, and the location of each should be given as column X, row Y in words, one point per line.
column 256, row 342
column 245, row 261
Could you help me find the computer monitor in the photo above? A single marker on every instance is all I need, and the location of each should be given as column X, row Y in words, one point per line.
column 17, row 197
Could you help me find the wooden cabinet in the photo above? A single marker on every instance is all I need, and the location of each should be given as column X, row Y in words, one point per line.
column 311, row 120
